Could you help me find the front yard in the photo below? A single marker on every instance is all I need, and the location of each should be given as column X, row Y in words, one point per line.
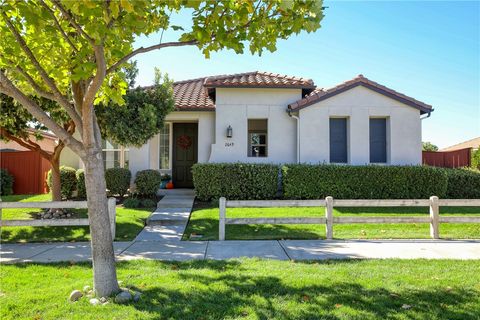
column 203, row 224
column 253, row 289
column 129, row 223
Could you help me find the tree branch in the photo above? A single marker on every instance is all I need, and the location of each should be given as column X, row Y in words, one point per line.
column 26, row 143
column 8, row 88
column 147, row 49
column 97, row 81
column 59, row 27
column 59, row 97
column 73, row 23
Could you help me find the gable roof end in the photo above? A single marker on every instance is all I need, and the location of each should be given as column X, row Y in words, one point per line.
column 322, row 94
column 257, row 79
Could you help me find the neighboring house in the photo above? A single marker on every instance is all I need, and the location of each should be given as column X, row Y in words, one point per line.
column 270, row 118
column 474, row 144
column 47, row 143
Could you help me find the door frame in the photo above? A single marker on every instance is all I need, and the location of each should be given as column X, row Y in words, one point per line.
column 174, row 146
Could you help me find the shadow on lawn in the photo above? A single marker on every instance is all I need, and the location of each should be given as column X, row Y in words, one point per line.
column 219, row 295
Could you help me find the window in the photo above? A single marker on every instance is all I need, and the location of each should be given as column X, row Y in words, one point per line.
column 114, row 155
column 257, row 138
column 164, row 147
column 378, row 140
column 338, row 140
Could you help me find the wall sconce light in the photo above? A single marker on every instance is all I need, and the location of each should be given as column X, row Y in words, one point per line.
column 229, row 132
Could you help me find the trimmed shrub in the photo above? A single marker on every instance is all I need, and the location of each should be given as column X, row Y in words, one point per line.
column 148, row 182
column 235, row 180
column 463, row 184
column 475, row 162
column 68, row 181
column 148, row 203
column 131, row 203
column 6, row 182
column 81, row 188
column 118, row 181
column 303, row 181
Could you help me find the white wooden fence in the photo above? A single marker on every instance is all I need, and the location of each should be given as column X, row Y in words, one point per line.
column 55, row 222
column 329, row 203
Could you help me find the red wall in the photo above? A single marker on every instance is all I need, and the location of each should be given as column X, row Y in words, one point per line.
column 29, row 170
column 447, row 159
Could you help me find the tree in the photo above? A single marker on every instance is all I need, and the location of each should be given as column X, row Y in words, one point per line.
column 428, row 146
column 15, row 123
column 70, row 52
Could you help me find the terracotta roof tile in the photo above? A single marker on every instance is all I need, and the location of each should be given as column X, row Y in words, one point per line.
column 192, row 95
column 322, row 94
column 472, row 143
column 258, row 79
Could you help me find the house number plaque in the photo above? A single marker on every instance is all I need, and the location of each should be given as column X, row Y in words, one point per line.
column 228, row 144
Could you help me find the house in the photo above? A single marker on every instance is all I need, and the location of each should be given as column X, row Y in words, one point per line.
column 270, row 118
column 47, row 142
column 474, row 144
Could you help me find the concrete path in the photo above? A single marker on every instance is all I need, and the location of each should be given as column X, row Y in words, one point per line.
column 161, row 240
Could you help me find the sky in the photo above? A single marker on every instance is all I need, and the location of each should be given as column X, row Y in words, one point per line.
column 426, row 50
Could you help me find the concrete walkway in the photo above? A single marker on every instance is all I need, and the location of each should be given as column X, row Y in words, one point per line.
column 161, row 240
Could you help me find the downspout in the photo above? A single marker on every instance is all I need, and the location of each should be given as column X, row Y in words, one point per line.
column 428, row 116
column 298, row 132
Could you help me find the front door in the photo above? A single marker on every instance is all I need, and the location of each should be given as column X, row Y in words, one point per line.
column 185, row 147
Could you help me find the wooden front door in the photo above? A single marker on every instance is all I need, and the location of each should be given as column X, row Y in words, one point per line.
column 185, row 150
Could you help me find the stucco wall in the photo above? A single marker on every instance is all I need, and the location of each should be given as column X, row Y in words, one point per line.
column 404, row 132
column 235, row 106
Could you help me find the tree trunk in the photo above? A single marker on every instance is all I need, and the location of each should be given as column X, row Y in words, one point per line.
column 104, row 272
column 56, row 183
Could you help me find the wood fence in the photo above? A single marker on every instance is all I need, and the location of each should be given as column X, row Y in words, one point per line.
column 55, row 222
column 329, row 203
column 447, row 159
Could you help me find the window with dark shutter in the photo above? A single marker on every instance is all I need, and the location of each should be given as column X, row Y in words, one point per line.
column 338, row 140
column 378, row 140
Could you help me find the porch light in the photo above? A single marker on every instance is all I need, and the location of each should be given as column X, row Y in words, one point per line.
column 229, row 132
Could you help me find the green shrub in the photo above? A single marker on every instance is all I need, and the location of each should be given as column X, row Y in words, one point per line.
column 118, row 181
column 6, row 182
column 148, row 203
column 148, row 182
column 68, row 181
column 235, row 180
column 81, row 188
column 476, row 159
column 463, row 184
column 131, row 203
column 303, row 181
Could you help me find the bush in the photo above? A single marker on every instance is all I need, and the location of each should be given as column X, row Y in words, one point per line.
column 148, row 182
column 303, row 181
column 148, row 203
column 68, row 181
column 131, row 203
column 235, row 180
column 463, row 184
column 81, row 188
column 118, row 181
column 6, row 182
column 476, row 159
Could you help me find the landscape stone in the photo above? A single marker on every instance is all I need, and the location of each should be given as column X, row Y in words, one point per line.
column 123, row 297
column 86, row 289
column 137, row 296
column 75, row 295
column 95, row 302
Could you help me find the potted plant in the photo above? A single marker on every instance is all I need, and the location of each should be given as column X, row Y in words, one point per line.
column 164, row 180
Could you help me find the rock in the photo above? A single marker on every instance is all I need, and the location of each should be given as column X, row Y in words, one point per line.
column 123, row 297
column 86, row 289
column 95, row 302
column 137, row 296
column 69, row 215
column 47, row 216
column 75, row 295
column 103, row 300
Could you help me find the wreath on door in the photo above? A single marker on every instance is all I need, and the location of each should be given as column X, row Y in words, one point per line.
column 184, row 142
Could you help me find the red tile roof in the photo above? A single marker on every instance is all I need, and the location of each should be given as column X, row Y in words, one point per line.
column 192, row 95
column 322, row 94
column 258, row 79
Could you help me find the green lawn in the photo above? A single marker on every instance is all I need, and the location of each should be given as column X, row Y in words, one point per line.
column 129, row 223
column 204, row 222
column 253, row 289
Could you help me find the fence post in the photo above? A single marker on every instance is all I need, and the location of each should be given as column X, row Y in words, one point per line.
column 112, row 215
column 434, row 218
column 329, row 217
column 221, row 221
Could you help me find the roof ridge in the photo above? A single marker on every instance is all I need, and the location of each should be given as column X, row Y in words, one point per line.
column 457, row 144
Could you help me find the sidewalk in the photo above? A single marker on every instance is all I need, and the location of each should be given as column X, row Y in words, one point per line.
column 161, row 240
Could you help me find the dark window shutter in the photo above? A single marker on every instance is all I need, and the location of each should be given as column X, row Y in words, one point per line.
column 378, row 140
column 338, row 140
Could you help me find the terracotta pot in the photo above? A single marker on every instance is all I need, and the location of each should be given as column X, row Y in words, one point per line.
column 169, row 185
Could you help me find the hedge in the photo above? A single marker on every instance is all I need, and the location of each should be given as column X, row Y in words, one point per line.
column 147, row 182
column 6, row 182
column 235, row 181
column 118, row 181
column 463, row 184
column 304, row 181
column 81, row 188
column 68, row 181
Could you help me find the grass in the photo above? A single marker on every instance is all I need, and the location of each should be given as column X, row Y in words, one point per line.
column 204, row 222
column 253, row 289
column 129, row 223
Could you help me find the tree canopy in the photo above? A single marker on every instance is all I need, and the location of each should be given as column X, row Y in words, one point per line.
column 428, row 146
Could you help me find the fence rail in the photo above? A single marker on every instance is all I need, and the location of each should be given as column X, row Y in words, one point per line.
column 55, row 222
column 329, row 203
